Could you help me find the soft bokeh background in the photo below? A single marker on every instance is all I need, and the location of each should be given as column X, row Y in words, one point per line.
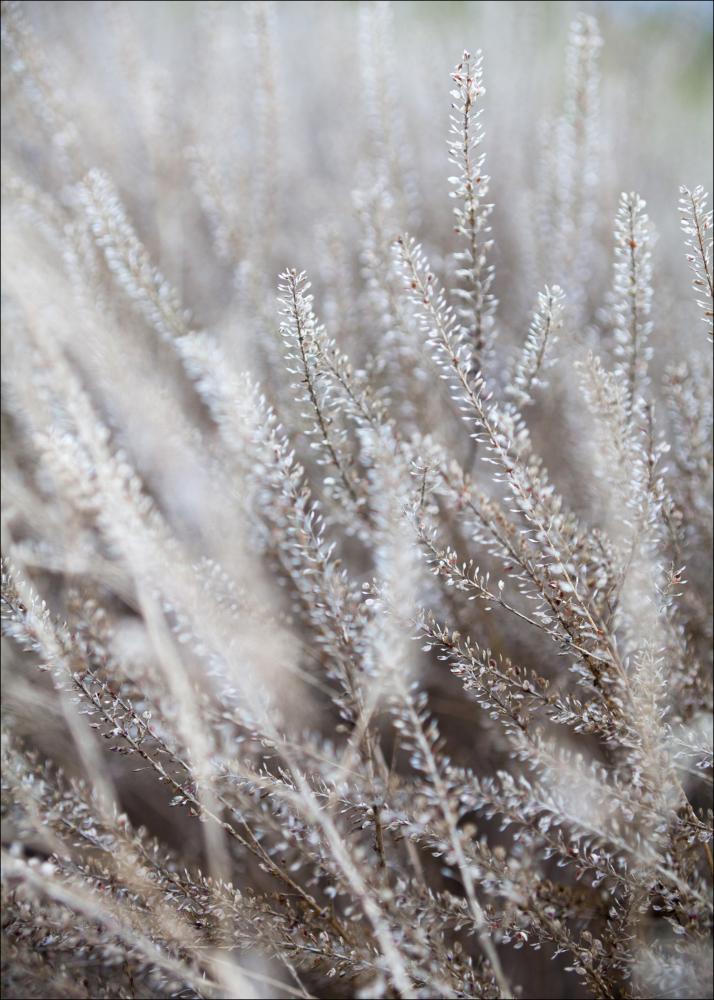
column 141, row 83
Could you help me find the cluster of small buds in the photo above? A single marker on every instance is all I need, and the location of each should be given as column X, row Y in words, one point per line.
column 349, row 647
